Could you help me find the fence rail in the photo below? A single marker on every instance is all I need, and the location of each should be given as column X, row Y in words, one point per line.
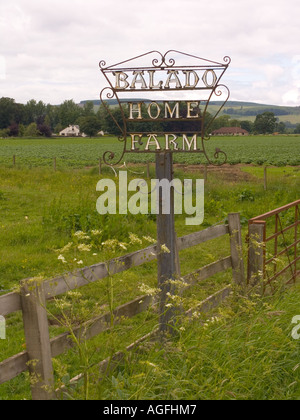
column 33, row 303
column 258, row 260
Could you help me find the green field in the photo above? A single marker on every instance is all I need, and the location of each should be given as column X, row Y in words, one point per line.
column 245, row 354
column 72, row 152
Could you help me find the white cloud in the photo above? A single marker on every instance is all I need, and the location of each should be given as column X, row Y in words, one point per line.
column 51, row 49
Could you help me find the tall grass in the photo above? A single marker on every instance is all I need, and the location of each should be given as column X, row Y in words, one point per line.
column 246, row 353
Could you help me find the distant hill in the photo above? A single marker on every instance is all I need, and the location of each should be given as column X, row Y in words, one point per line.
column 236, row 109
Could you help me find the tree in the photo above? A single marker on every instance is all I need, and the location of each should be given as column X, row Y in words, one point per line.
column 247, row 125
column 90, row 125
column 14, row 130
column 281, row 127
column 265, row 123
column 44, row 129
column 9, row 112
column 88, row 109
column 69, row 113
column 34, row 112
column 297, row 129
column 31, row 130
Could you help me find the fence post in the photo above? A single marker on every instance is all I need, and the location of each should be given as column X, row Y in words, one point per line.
column 100, row 166
column 205, row 172
column 265, row 178
column 236, row 247
column 256, row 253
column 37, row 340
column 166, row 261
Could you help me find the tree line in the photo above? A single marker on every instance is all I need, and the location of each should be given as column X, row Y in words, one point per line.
column 39, row 119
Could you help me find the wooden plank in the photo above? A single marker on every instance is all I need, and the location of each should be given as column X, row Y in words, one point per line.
column 208, row 271
column 37, row 340
column 70, row 281
column 100, row 324
column 87, row 275
column 211, row 302
column 236, row 247
column 202, row 236
column 13, row 366
column 9, row 303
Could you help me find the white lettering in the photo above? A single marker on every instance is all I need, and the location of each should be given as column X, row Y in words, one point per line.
column 173, row 78
column 188, row 78
column 171, row 112
column 188, row 143
column 153, row 142
column 138, row 78
column 150, row 106
column 121, row 77
column 135, row 108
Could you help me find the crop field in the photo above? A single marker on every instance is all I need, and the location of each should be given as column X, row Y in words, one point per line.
column 72, row 152
column 244, row 352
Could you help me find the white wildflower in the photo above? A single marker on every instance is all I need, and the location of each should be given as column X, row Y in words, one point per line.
column 84, row 247
column 81, row 235
column 134, row 239
column 66, row 248
column 165, row 249
column 62, row 259
column 149, row 239
column 96, row 232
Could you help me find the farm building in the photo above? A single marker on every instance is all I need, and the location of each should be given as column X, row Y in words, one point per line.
column 230, row 131
column 72, row 131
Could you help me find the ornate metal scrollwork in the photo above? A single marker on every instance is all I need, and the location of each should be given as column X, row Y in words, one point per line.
column 165, row 64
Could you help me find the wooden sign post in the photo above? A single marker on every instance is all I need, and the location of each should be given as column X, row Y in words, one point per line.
column 166, row 242
column 143, row 130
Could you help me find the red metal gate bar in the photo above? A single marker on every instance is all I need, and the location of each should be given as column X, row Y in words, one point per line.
column 276, row 211
column 292, row 264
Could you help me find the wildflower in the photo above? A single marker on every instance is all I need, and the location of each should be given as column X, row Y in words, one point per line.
column 165, row 249
column 66, row 248
column 74, row 294
column 62, row 259
column 134, row 239
column 152, row 291
column 81, row 235
column 97, row 232
column 80, row 262
column 84, row 247
column 149, row 239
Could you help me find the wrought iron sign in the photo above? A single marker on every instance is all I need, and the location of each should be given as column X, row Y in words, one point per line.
column 174, row 115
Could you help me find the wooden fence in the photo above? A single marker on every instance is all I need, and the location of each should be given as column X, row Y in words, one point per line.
column 32, row 302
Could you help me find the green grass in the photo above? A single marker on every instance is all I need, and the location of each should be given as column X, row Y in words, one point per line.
column 72, row 152
column 247, row 353
column 41, row 209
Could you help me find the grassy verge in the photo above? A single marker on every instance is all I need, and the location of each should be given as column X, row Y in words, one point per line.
column 40, row 212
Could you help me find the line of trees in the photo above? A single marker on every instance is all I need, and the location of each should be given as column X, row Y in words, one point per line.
column 39, row 119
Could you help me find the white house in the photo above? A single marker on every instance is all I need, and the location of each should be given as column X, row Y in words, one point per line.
column 72, row 131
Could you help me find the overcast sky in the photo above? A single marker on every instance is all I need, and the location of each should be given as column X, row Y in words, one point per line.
column 50, row 49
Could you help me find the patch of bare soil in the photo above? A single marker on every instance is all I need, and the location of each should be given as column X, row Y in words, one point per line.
column 233, row 173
